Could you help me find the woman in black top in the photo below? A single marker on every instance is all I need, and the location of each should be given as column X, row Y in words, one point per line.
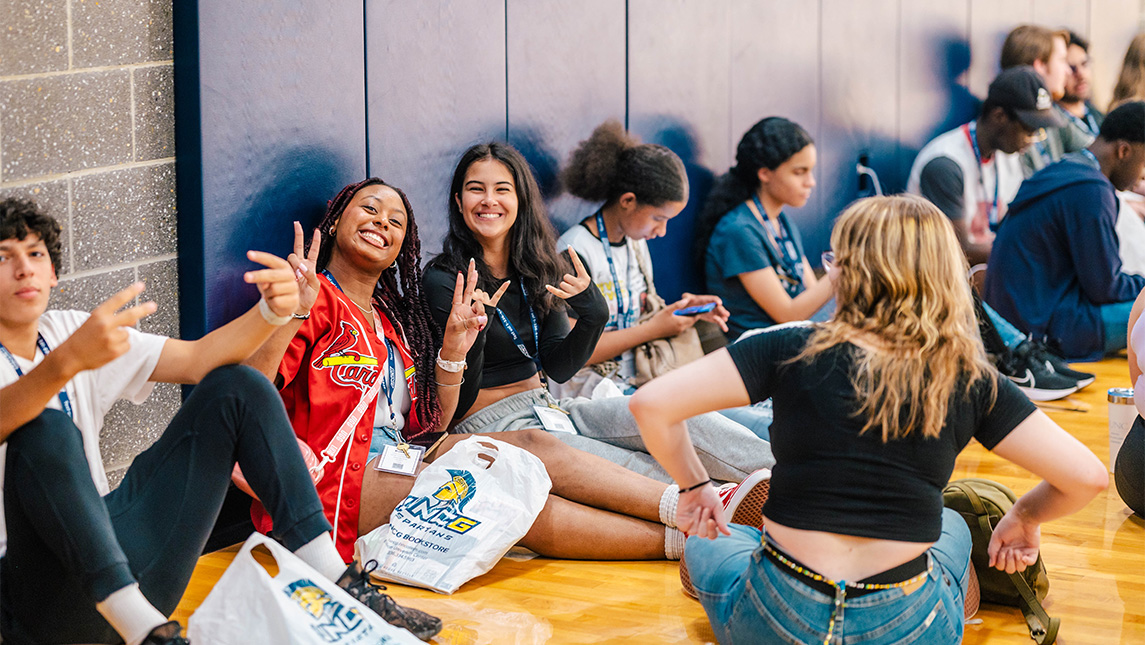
column 497, row 218
column 871, row 410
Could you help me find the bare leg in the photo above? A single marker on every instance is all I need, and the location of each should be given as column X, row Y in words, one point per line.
column 572, row 531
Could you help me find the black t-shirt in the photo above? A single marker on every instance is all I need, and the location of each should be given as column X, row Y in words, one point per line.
column 496, row 360
column 827, row 476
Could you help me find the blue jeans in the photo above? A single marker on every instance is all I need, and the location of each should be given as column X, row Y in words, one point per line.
column 748, row 599
column 756, row 417
column 1010, row 334
column 1115, row 324
column 68, row 548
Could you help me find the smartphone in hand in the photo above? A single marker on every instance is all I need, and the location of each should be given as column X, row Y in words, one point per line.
column 696, row 310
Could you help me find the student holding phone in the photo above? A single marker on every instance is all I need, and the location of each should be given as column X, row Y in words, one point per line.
column 642, row 187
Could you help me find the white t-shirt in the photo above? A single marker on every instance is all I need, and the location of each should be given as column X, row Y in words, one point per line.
column 92, row 392
column 632, row 282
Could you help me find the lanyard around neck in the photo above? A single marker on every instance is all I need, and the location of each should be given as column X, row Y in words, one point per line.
column 517, row 340
column 972, row 135
column 1087, row 124
column 782, row 244
column 623, row 296
column 65, row 401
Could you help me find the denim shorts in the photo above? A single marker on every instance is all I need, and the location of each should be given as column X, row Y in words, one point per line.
column 748, row 598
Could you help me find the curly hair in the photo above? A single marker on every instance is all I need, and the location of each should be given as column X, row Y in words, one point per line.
column 901, row 287
column 19, row 217
column 768, row 144
column 612, row 162
column 399, row 295
column 533, row 258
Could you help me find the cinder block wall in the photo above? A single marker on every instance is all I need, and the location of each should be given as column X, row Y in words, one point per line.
column 87, row 131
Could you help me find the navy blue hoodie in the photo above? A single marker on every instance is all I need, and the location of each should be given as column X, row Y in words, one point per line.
column 1055, row 259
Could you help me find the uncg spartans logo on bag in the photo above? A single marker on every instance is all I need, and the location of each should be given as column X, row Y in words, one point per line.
column 333, row 620
column 444, row 507
column 349, row 365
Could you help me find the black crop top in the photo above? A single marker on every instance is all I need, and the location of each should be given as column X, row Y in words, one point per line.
column 828, row 477
column 495, row 359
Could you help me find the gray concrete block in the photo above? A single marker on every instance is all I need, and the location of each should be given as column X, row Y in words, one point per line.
column 33, row 36
column 154, row 112
column 121, row 32
column 52, row 198
column 115, row 477
column 64, row 123
column 129, row 429
column 162, row 280
column 85, row 294
column 123, row 216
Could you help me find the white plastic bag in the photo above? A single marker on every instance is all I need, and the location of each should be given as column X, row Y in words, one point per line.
column 466, row 510
column 298, row 606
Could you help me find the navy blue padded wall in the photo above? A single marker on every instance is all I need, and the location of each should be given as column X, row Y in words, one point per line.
column 566, row 75
column 678, row 94
column 435, row 85
column 271, row 123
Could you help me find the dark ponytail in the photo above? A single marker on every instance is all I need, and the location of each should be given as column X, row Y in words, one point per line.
column 768, row 144
column 612, row 162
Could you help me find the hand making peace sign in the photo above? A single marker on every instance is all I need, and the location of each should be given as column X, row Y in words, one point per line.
column 304, row 269
column 467, row 316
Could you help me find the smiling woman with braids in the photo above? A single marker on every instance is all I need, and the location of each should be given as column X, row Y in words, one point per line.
column 361, row 307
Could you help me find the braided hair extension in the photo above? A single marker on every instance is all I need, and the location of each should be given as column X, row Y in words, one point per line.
column 768, row 144
column 399, row 294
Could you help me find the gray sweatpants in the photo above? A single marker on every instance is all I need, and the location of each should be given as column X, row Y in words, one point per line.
column 605, row 427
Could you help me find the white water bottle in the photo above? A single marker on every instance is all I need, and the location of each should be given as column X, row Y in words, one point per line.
column 1122, row 412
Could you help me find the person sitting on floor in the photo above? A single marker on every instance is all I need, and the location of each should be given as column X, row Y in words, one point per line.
column 1047, row 52
column 1129, row 465
column 1056, row 272
column 871, row 411
column 363, row 299
column 85, row 565
column 497, row 220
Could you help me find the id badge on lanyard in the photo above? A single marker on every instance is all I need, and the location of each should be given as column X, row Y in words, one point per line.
column 42, row 345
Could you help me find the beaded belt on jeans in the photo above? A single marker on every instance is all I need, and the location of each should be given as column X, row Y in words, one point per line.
column 916, row 570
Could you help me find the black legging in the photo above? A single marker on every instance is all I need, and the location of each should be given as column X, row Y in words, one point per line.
column 1129, row 469
column 68, row 548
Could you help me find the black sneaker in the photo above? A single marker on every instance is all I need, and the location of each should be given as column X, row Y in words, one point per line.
column 356, row 581
column 169, row 633
column 1033, row 378
column 1057, row 364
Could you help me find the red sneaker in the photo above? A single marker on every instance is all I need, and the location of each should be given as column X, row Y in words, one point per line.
column 743, row 502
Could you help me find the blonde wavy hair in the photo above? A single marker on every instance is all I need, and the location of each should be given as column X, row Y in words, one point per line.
column 902, row 293
column 1131, row 81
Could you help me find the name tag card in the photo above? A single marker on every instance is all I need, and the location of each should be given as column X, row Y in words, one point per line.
column 554, row 420
column 394, row 460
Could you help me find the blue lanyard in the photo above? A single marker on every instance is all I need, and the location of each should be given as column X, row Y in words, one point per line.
column 1092, row 157
column 391, row 381
column 536, row 358
column 971, row 133
column 782, row 242
column 65, row 402
column 622, row 294
column 1087, row 125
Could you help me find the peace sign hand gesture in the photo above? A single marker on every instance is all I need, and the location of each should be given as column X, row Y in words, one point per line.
column 466, row 318
column 304, row 269
column 486, row 299
column 571, row 285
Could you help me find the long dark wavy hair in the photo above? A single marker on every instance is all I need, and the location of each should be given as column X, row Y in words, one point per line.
column 767, row 144
column 398, row 293
column 533, row 258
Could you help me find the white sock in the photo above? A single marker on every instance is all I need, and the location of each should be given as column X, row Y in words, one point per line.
column 130, row 613
column 674, row 543
column 321, row 554
column 668, row 502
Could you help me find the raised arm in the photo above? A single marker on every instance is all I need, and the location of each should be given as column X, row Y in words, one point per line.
column 765, row 289
column 100, row 340
column 563, row 352
column 189, row 361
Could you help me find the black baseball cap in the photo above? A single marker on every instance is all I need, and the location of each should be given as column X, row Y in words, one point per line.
column 1021, row 90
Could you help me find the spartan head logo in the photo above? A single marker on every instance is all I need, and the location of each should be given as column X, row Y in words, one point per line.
column 351, row 366
column 458, row 490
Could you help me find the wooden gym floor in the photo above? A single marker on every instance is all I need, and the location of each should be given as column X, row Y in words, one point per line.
column 1096, row 562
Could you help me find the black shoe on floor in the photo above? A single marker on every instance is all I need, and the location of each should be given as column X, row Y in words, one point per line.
column 1056, row 364
column 356, row 581
column 1033, row 378
column 169, row 633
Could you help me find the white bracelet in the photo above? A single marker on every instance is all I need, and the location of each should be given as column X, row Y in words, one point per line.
column 269, row 316
column 452, row 367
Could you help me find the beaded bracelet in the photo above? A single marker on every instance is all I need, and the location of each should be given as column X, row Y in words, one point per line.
column 697, row 486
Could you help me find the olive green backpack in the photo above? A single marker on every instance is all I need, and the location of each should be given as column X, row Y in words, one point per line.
column 982, row 503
